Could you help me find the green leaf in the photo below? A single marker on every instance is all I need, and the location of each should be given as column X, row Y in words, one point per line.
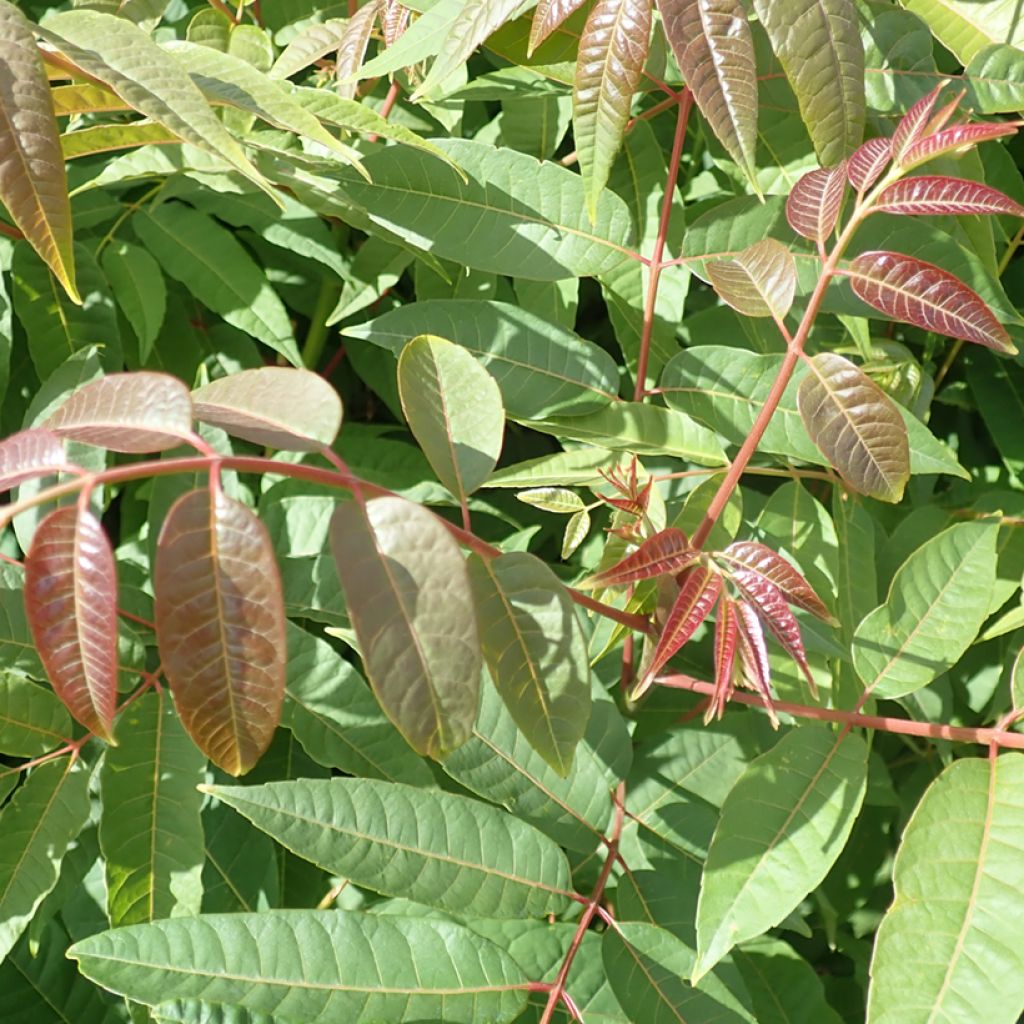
column 959, row 888
column 819, row 45
column 965, row 28
column 782, row 826
column 195, row 250
column 410, row 602
column 784, row 988
column 33, row 185
column 140, row 290
column 936, row 604
column 288, row 963
column 541, row 369
column 553, row 499
column 309, row 44
column 37, row 826
column 150, row 831
column 241, row 869
column 32, row 719
column 444, row 850
column 194, row 1011
column 453, row 407
column 576, row 468
column 998, row 388
column 995, row 80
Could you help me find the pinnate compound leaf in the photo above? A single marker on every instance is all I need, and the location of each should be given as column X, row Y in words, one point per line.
column 818, row 43
column 27, row 454
column 547, row 17
column 32, row 719
column 33, row 185
column 759, row 281
column 783, row 825
column 714, row 48
column 276, row 406
column 127, row 412
column 940, row 194
column 314, row 966
column 220, row 625
column 953, row 934
column 927, row 296
column 448, row 851
column 613, row 50
column 936, row 604
column 812, row 208
column 453, row 407
column 71, row 601
column 868, row 161
column 760, row 559
column 856, row 425
column 411, row 604
column 535, row 650
column 665, row 553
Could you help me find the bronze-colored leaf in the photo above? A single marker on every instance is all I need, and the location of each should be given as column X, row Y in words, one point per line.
column 548, row 16
column 812, row 208
column 667, row 552
column 759, row 281
column 760, row 559
column 940, row 194
column 867, row 163
column 27, row 454
column 394, row 19
column 354, row 41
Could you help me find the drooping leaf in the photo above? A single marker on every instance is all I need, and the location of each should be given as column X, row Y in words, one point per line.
column 857, row 426
column 868, row 162
column 818, row 43
column 33, row 185
column 536, row 652
column 548, row 16
column 140, row 290
column 936, row 604
column 220, row 626
column 812, row 208
column 940, row 194
column 150, row 831
column 27, row 454
column 762, row 561
column 410, row 602
column 665, row 553
column 71, row 601
column 759, row 281
column 613, row 50
column 288, row 963
column 726, row 643
column 927, row 296
column 754, row 653
column 277, row 406
column 783, row 824
column 32, row 720
column 127, row 412
column 394, row 20
column 714, row 48
column 958, row 901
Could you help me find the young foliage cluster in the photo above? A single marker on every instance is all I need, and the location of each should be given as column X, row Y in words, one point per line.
column 625, row 655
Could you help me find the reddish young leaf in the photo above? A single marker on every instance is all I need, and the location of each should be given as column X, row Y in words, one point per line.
column 548, row 16
column 914, row 123
column 394, row 19
column 127, row 412
column 868, row 161
column 27, row 454
column 940, row 194
column 922, row 294
column 812, row 208
column 759, row 559
column 759, row 281
column 71, row 602
column 220, row 626
column 754, row 655
column 959, row 138
column 354, row 41
column 725, row 658
column 666, row 553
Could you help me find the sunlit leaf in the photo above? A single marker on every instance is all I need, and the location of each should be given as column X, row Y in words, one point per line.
column 27, row 454
column 868, row 162
column 759, row 281
column 964, row 29
column 107, row 138
column 309, row 44
column 957, row 139
column 812, row 208
column 548, row 16
column 857, row 426
column 220, row 624
column 939, row 194
column 71, row 601
column 666, row 553
column 914, row 124
column 576, row 531
column 552, row 499
column 753, row 653
column 352, row 46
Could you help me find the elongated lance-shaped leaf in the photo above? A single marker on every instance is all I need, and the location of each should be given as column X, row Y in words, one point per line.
column 914, row 124
column 411, row 604
column 547, row 17
column 352, row 46
column 536, row 652
column 290, row 963
column 552, row 499
column 699, row 587
column 108, row 138
column 940, row 194
column 311, row 43
column 123, row 57
column 927, row 296
column 220, row 625
column 868, row 162
column 277, row 406
column 71, row 602
column 714, row 48
column 453, row 407
column 394, row 20
column 576, row 531
column 33, row 185
column 27, row 454
column 953, row 935
column 818, row 43
column 957, row 139
column 759, row 281
column 447, row 851
column 812, row 208
column 783, row 824
column 856, row 425
column 756, row 672
column 127, row 412
column 667, row 552
column 726, row 642
column 613, row 50
column 139, row 287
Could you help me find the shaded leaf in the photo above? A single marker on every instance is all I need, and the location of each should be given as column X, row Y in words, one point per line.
column 759, row 281
column 784, row 987
column 812, row 208
column 665, row 553
column 868, row 162
column 140, row 290
column 32, row 720
column 940, row 194
column 547, row 17
column 27, row 454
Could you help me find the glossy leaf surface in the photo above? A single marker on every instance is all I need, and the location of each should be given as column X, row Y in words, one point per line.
column 547, row 17
column 759, row 281
column 666, row 552
column 953, row 140
column 867, row 163
column 939, row 194
column 29, row 453
column 812, row 208
column 762, row 560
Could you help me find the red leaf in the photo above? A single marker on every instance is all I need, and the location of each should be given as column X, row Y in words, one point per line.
column 667, row 552
column 220, row 626
column 71, row 602
column 725, row 658
column 754, row 655
column 775, row 569
column 27, row 454
column 914, row 123
column 922, row 294
column 940, row 194
column 958, row 138
column 867, row 163
column 812, row 208
column 548, row 16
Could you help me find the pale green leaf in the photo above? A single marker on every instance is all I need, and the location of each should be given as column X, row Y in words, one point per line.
column 553, row 499
column 576, row 531
column 965, row 27
column 577, row 468
column 310, row 43
column 995, row 80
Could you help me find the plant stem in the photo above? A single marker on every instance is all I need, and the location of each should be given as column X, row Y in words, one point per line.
column 219, row 5
column 10, row 232
column 316, row 336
